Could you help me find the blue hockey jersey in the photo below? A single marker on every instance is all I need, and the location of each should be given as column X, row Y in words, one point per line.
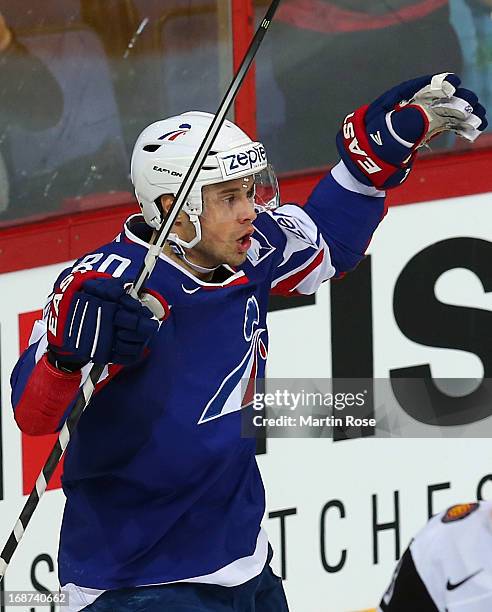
column 160, row 485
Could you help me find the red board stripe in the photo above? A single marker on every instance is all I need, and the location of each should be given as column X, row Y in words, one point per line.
column 242, row 34
column 64, row 238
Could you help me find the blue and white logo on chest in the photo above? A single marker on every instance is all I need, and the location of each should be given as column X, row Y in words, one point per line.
column 237, row 389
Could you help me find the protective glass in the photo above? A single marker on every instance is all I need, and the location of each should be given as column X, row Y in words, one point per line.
column 266, row 191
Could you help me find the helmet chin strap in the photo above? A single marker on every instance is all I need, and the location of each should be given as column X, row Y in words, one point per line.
column 181, row 253
column 178, row 245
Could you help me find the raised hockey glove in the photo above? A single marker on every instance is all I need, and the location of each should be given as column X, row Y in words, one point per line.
column 378, row 142
column 92, row 318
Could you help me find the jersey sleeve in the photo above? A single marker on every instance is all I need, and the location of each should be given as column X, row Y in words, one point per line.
column 301, row 260
column 323, row 239
column 346, row 212
column 407, row 592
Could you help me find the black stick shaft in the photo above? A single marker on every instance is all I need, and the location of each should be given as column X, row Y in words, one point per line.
column 46, row 473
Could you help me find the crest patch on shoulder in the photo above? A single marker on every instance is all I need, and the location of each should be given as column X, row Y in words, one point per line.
column 459, row 512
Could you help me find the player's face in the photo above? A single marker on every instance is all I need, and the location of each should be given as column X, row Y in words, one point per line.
column 227, row 223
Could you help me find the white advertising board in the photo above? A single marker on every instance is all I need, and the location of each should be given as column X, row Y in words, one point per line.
column 338, row 513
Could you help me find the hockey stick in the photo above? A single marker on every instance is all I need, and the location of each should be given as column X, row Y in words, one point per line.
column 148, row 265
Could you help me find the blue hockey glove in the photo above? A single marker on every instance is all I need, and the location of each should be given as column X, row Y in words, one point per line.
column 92, row 318
column 378, row 142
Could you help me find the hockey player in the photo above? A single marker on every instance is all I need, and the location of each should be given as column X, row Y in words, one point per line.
column 162, row 492
column 448, row 565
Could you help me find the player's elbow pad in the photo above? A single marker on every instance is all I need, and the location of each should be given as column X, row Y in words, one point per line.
column 45, row 398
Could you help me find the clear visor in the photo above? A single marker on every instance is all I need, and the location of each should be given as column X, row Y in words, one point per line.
column 266, row 193
column 260, row 189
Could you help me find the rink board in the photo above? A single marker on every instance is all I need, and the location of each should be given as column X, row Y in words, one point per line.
column 338, row 513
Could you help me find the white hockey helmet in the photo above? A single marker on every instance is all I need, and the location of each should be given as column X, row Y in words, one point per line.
column 165, row 150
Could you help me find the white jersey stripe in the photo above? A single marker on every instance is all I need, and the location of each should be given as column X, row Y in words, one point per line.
column 238, row 572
